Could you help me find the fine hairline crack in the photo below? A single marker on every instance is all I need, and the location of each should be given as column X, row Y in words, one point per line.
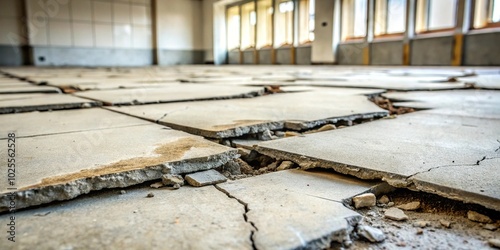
column 245, row 216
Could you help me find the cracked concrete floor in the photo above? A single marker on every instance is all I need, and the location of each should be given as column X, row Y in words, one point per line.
column 89, row 169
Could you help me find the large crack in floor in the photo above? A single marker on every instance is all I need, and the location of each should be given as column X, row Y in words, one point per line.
column 245, row 215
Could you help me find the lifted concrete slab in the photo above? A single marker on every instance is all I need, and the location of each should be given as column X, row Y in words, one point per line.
column 384, row 84
column 475, row 103
column 17, row 103
column 64, row 121
column 171, row 93
column 484, row 81
column 28, row 88
column 295, row 209
column 395, row 149
column 187, row 218
column 64, row 166
column 477, row 183
column 237, row 117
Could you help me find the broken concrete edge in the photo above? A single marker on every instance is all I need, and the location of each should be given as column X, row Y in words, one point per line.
column 136, row 102
column 305, row 125
column 33, row 91
column 339, row 236
column 271, row 125
column 66, row 191
column 21, row 109
column 308, row 163
column 456, row 194
column 322, row 242
column 396, row 181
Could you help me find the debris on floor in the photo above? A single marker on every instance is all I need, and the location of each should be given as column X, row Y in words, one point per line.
column 277, row 157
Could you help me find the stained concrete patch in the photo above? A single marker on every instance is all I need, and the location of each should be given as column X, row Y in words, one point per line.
column 63, row 166
column 16, row 103
column 172, row 93
column 233, row 118
column 295, row 209
column 396, row 149
column 64, row 121
column 188, row 218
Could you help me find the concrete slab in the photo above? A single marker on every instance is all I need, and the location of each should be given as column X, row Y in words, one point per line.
column 27, row 88
column 17, row 103
column 205, row 178
column 187, row 218
column 65, row 121
column 476, row 103
column 295, row 209
column 385, row 84
column 237, row 117
column 84, row 84
column 463, row 182
column 484, row 81
column 172, row 93
column 64, row 166
column 396, row 149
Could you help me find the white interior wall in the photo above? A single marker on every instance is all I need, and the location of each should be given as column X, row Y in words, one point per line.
column 208, row 29
column 11, row 24
column 90, row 23
column 179, row 24
column 322, row 46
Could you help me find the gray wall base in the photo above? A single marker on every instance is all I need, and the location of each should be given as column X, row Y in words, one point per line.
column 284, row 56
column 14, row 55
column 482, row 49
column 233, row 57
column 248, row 57
column 386, row 53
column 303, row 55
column 435, row 51
column 71, row 56
column 265, row 56
column 176, row 57
column 351, row 53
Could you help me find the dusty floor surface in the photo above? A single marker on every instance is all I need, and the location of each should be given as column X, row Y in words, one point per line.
column 257, row 157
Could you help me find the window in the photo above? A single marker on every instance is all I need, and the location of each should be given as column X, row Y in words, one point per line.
column 390, row 17
column 264, row 23
column 486, row 13
column 284, row 23
column 354, row 19
column 306, row 21
column 233, row 28
column 248, row 22
column 435, row 15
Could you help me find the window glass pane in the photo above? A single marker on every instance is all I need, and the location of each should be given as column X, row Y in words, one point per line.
column 481, row 13
column 306, row 21
column 284, row 23
column 441, row 14
column 248, row 22
column 233, row 28
column 360, row 7
column 396, row 16
column 264, row 23
column 495, row 12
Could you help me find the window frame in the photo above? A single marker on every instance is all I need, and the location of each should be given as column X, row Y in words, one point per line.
column 386, row 21
column 426, row 20
column 347, row 38
column 488, row 24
